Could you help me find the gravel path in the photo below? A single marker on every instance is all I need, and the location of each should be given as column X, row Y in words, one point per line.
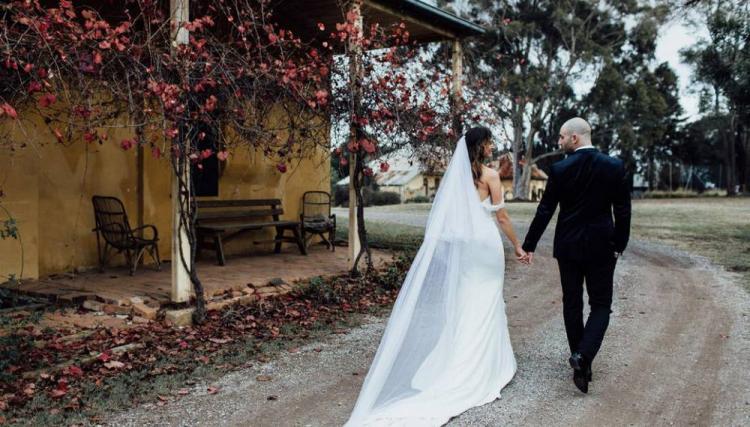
column 676, row 353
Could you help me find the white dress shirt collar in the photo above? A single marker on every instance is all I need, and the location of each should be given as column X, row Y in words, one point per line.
column 585, row 147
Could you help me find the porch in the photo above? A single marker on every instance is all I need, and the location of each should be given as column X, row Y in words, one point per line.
column 116, row 292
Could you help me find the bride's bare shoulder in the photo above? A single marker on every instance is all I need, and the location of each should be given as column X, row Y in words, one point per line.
column 489, row 173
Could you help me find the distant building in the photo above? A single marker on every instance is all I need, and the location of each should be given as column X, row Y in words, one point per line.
column 410, row 178
column 504, row 165
column 406, row 177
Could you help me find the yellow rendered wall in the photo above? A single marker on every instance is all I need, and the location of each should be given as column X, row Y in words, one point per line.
column 250, row 175
column 48, row 189
column 18, row 181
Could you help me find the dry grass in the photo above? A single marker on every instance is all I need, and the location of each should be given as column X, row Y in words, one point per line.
column 716, row 227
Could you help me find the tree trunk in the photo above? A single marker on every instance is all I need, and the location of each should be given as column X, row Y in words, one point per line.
column 525, row 184
column 730, row 159
column 356, row 76
column 456, row 98
column 741, row 145
column 517, row 146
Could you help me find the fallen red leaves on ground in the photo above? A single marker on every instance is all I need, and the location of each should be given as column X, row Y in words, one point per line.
column 50, row 362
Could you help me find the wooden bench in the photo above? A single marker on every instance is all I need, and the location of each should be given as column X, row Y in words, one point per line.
column 224, row 220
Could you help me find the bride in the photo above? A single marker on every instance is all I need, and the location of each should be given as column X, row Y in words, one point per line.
column 446, row 346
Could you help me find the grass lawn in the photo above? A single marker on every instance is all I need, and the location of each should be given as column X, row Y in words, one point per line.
column 718, row 228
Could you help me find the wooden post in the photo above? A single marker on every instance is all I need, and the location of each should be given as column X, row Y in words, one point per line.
column 355, row 76
column 181, row 285
column 354, row 243
column 457, row 63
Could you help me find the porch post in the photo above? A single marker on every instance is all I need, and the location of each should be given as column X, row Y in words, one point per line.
column 179, row 12
column 355, row 74
column 354, row 244
column 457, row 61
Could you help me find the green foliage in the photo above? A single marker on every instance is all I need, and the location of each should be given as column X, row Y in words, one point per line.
column 533, row 54
column 380, row 198
column 418, row 199
column 9, row 229
column 721, row 66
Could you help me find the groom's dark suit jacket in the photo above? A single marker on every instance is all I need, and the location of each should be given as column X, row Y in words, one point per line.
column 591, row 188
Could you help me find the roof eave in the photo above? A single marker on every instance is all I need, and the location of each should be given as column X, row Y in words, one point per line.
column 454, row 24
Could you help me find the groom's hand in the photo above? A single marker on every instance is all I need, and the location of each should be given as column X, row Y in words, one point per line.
column 520, row 254
column 529, row 257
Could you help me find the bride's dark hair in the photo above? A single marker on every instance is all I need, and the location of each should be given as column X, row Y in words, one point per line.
column 475, row 139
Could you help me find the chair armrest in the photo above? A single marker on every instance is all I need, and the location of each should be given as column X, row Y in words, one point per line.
column 153, row 230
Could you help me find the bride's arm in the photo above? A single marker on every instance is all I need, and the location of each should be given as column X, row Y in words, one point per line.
column 496, row 192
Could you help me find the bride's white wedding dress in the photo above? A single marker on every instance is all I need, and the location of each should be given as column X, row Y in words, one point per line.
column 446, row 346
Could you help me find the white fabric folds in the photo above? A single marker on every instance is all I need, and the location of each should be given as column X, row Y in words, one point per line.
column 446, row 347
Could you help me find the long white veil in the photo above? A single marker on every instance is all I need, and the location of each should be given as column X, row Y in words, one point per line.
column 413, row 350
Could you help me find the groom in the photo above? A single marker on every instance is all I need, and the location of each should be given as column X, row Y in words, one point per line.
column 590, row 188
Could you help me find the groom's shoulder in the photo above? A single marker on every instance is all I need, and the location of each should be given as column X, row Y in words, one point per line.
column 562, row 164
column 611, row 161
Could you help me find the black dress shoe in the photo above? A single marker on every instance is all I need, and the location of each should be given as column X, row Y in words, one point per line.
column 581, row 381
column 581, row 371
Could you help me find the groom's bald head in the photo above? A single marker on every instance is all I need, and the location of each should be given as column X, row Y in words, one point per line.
column 575, row 133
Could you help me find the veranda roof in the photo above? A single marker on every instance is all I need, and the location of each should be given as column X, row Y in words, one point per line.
column 425, row 23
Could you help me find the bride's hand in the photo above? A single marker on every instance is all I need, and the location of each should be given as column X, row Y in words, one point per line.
column 520, row 255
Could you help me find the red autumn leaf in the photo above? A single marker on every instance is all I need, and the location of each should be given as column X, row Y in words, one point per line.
column 384, row 167
column 9, row 110
column 104, row 357
column 34, row 86
column 211, row 103
column 322, row 96
column 47, row 100
column 272, row 38
column 367, row 145
column 89, row 136
column 368, row 172
column 58, row 393
column 281, row 167
column 75, row 371
column 127, row 144
column 183, row 344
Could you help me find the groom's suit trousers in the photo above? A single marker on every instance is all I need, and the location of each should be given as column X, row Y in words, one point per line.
column 598, row 275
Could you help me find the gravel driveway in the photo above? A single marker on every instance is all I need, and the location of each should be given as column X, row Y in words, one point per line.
column 676, row 353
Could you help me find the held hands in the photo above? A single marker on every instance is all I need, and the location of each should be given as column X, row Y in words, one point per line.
column 522, row 256
column 527, row 258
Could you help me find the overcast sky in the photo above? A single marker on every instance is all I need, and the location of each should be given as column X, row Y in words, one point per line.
column 673, row 37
